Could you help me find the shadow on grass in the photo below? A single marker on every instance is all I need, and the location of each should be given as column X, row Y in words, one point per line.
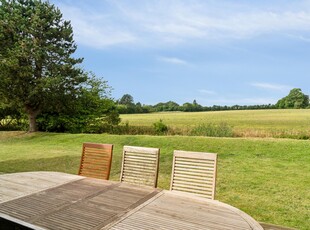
column 68, row 164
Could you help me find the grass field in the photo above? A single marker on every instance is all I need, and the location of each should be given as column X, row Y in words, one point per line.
column 267, row 178
column 291, row 123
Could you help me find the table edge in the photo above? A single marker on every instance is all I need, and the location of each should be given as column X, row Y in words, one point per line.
column 250, row 220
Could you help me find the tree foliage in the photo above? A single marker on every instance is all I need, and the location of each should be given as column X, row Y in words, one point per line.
column 295, row 99
column 186, row 107
column 36, row 64
column 126, row 105
column 126, row 99
column 89, row 111
column 168, row 106
column 11, row 118
column 39, row 75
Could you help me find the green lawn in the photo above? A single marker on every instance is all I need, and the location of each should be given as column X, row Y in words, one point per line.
column 245, row 123
column 267, row 178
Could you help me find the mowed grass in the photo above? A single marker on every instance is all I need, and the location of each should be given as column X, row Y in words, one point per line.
column 245, row 123
column 267, row 178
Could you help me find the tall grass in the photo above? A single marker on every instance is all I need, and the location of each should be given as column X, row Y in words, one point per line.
column 289, row 123
column 267, row 178
column 212, row 130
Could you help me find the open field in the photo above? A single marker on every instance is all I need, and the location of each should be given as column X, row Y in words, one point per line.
column 267, row 178
column 291, row 123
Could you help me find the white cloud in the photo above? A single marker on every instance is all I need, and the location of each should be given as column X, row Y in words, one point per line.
column 173, row 60
column 269, row 86
column 305, row 39
column 238, row 101
column 207, row 92
column 300, row 37
column 95, row 30
column 150, row 23
column 181, row 20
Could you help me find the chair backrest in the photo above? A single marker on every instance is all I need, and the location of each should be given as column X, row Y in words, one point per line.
column 140, row 165
column 194, row 172
column 96, row 160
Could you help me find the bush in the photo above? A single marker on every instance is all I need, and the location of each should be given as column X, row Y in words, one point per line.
column 11, row 124
column 77, row 124
column 160, row 128
column 12, row 119
column 59, row 123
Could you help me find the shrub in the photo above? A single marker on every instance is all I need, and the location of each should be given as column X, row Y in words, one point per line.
column 10, row 124
column 12, row 118
column 160, row 128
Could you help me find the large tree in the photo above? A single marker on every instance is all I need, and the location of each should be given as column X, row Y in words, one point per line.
column 126, row 99
column 295, row 99
column 36, row 64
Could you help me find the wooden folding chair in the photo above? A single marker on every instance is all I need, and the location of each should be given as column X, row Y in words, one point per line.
column 194, row 172
column 96, row 160
column 140, row 165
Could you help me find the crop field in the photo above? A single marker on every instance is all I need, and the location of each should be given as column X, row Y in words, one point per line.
column 265, row 177
column 289, row 123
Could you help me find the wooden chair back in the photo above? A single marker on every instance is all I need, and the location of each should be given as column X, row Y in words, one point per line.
column 194, row 172
column 96, row 160
column 140, row 165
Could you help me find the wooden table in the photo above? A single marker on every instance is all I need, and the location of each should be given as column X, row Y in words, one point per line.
column 53, row 200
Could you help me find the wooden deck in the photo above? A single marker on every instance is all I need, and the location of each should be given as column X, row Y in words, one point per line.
column 61, row 201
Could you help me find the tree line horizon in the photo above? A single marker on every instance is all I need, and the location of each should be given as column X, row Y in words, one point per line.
column 296, row 99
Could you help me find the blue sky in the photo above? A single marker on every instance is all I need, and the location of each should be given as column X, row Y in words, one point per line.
column 216, row 52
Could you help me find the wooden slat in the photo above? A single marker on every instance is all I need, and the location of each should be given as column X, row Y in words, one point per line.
column 141, row 155
column 194, row 172
column 16, row 185
column 173, row 210
column 96, row 160
column 141, row 150
column 140, row 165
column 85, row 204
column 195, row 167
column 198, row 186
column 192, row 177
column 190, row 173
column 146, row 163
column 206, row 171
column 139, row 168
column 190, row 156
column 209, row 164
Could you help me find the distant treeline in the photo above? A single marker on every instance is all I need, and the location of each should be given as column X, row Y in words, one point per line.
column 126, row 105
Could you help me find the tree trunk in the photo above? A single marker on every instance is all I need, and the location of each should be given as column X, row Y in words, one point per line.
column 32, row 115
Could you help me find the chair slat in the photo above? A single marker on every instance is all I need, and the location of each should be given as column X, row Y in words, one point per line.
column 140, row 165
column 192, row 178
column 96, row 160
column 194, row 172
